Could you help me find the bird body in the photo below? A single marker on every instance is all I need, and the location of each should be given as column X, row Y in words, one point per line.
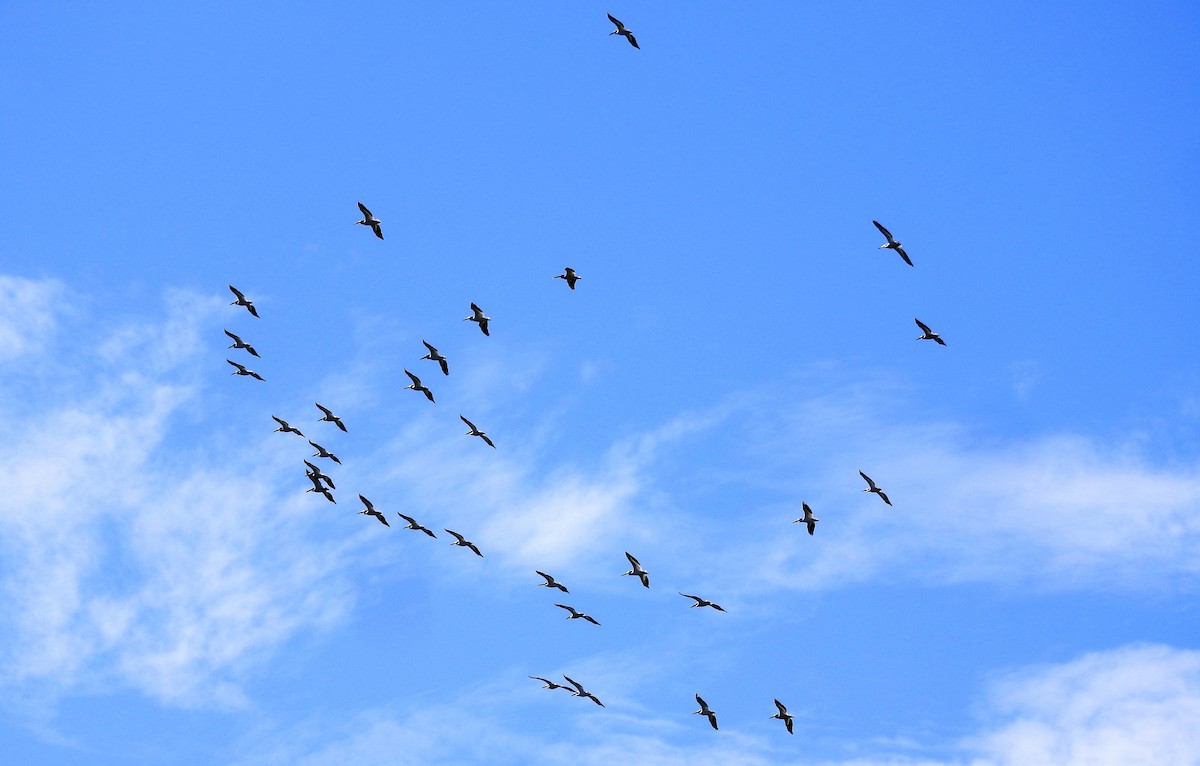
column 370, row 220
column 433, row 355
column 873, row 489
column 706, row 711
column 637, row 571
column 577, row 615
column 891, row 243
column 241, row 370
column 570, row 276
column 463, row 542
column 476, row 432
column 416, row 385
column 623, row 32
column 243, row 301
column 808, row 519
column 478, row 317
column 927, row 334
column 239, row 343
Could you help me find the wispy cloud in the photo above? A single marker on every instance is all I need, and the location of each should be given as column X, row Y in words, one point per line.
column 28, row 314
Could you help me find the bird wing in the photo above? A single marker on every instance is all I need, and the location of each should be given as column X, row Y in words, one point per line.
column 924, row 327
column 549, row 579
column 702, row 703
column 471, row 545
column 614, row 20
column 632, row 41
column 938, row 340
column 812, row 527
column 313, row 467
column 573, row 612
column 783, row 710
column 367, row 503
column 546, row 681
column 870, row 483
column 428, row 394
column 235, row 364
column 476, row 310
column 576, row 684
column 280, row 422
column 904, row 255
column 416, row 381
column 236, row 339
column 367, row 213
column 250, row 349
column 238, row 293
column 697, row 599
column 326, row 410
column 338, row 422
column 457, row 535
column 409, row 519
column 317, row 485
column 382, row 519
column 483, row 323
column 486, row 439
column 788, row 723
column 256, row 376
column 590, row 619
column 718, row 607
column 469, row 423
column 445, row 367
column 593, row 698
column 434, row 352
column 884, row 231
column 884, row 497
column 633, row 561
column 375, row 227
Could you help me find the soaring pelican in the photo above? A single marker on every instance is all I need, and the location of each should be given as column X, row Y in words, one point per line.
column 551, row 582
column 927, row 334
column 433, row 355
column 784, row 716
column 581, row 692
column 476, row 432
column 637, row 571
column 330, row 417
column 319, row 487
column 874, row 489
column 322, row 452
column 477, row 316
column 241, row 370
column 623, row 32
column 316, row 473
column 569, row 275
column 891, row 243
column 575, row 615
column 808, row 518
column 243, row 301
column 706, row 711
column 284, row 427
column 416, row 385
column 412, row 524
column 370, row 511
column 702, row 602
column 463, row 542
column 548, row 684
column 239, row 343
column 370, row 220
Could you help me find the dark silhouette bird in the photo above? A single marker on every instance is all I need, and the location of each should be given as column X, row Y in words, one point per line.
column 243, row 301
column 320, row 488
column 370, row 220
column 463, row 542
column 581, row 692
column 874, row 489
column 476, row 432
column 808, row 518
column 433, row 355
column 891, row 243
column 477, row 316
column 570, row 276
column 285, row 427
column 551, row 582
column 370, row 511
column 239, row 343
column 416, row 385
column 241, row 370
column 637, row 571
column 623, row 32
column 784, row 716
column 702, row 602
column 577, row 615
column 412, row 524
column 330, row 417
column 322, row 452
column 548, row 684
column 706, row 711
column 316, row 473
column 927, row 334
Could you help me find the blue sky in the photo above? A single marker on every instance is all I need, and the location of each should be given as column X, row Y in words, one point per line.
column 738, row 344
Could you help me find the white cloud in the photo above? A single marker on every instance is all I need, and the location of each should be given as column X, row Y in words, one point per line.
column 28, row 314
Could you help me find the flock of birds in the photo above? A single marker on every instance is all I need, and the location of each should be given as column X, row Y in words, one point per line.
column 322, row 483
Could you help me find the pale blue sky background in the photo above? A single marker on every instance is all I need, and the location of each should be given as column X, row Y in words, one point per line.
column 738, row 344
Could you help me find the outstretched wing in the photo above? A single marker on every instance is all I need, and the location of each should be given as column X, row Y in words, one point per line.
column 904, row 255
column 367, row 213
column 884, row 231
column 866, row 478
column 924, row 327
column 238, row 293
column 366, row 502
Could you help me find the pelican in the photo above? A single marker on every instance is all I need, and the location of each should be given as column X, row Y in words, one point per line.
column 928, row 334
column 322, row 452
column 330, row 417
column 623, row 32
column 569, row 275
column 416, row 385
column 319, row 488
column 808, row 518
column 784, row 716
column 370, row 511
column 476, row 432
column 316, row 473
column 412, row 524
column 550, row 582
column 548, row 684
column 702, row 602
column 574, row 615
column 239, row 343
column 637, row 571
column 242, row 301
column 891, row 243
column 581, row 692
column 874, row 489
column 464, row 542
column 706, row 711
column 477, row 316
column 284, row 427
column 433, row 355
column 370, row 220
column 241, row 370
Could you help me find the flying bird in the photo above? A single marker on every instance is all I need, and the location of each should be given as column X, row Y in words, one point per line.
column 808, row 519
column 928, row 334
column 581, row 692
column 874, row 489
column 702, row 602
column 316, row 473
column 243, row 301
column 241, row 370
column 239, row 343
column 285, row 427
column 575, row 615
column 784, row 716
column 330, row 417
column 548, row 684
column 370, row 220
column 319, row 487
column 706, row 711
column 623, row 32
column 370, row 511
column 891, row 243
column 637, row 571
column 416, row 385
column 412, row 524
column 476, row 432
column 551, row 582
column 477, row 316
column 433, row 355
column 463, row 542
column 569, row 275
column 322, row 452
